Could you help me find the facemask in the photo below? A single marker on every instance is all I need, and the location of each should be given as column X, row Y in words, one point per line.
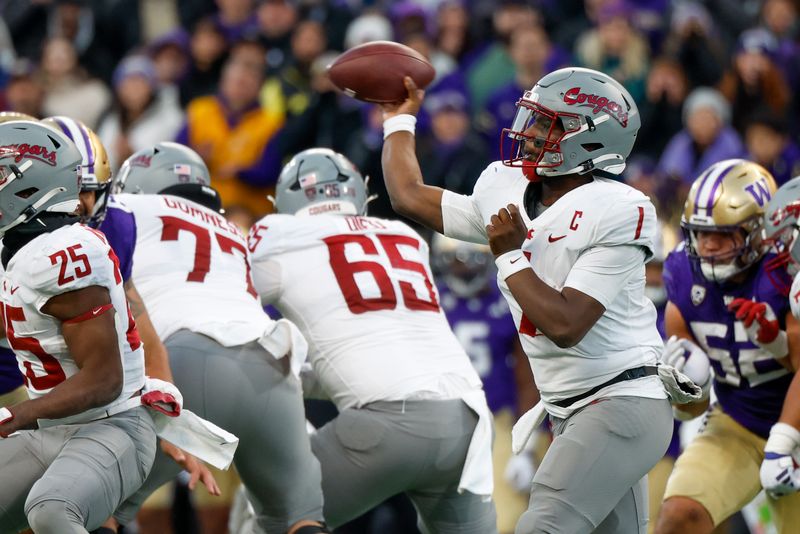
column 718, row 272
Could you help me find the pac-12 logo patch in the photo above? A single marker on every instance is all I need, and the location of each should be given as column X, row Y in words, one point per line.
column 698, row 294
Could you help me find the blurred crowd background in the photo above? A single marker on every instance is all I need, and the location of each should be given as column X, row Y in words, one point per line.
column 243, row 81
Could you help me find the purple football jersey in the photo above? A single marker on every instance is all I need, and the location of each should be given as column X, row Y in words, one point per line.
column 485, row 328
column 119, row 226
column 750, row 385
column 10, row 377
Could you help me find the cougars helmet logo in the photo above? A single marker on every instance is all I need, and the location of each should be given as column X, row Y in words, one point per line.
column 575, row 96
column 37, row 152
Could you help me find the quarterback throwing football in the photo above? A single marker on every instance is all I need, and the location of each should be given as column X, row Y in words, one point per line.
column 570, row 248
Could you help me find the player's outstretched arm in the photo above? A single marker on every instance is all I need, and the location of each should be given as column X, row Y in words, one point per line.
column 87, row 324
column 407, row 191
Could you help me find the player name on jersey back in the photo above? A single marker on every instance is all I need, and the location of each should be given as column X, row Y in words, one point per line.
column 192, row 269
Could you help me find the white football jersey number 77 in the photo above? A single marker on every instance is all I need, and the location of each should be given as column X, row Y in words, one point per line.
column 192, row 268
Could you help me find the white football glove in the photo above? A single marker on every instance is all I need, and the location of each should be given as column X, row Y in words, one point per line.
column 519, row 471
column 779, row 473
column 687, row 358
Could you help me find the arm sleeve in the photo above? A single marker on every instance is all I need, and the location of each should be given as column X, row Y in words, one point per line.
column 461, row 218
column 602, row 272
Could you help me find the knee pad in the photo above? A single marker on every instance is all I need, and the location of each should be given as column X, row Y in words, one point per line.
column 313, row 529
column 51, row 516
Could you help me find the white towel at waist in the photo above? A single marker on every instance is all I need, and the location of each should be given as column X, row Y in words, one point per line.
column 181, row 427
column 525, row 426
column 477, row 475
column 283, row 339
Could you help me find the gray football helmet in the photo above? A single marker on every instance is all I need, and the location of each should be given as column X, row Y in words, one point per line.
column 781, row 230
column 152, row 170
column 598, row 117
column 466, row 268
column 39, row 172
column 319, row 180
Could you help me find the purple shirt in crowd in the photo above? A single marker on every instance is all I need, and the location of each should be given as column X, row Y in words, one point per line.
column 681, row 159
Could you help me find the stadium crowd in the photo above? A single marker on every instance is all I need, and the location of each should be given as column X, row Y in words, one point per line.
column 243, row 83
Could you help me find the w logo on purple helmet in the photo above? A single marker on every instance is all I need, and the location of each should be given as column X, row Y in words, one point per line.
column 760, row 191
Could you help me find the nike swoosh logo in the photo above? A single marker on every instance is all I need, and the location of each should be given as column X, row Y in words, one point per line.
column 14, row 289
column 97, row 310
column 515, row 260
column 552, row 239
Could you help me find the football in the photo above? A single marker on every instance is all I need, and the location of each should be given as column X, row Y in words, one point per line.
column 374, row 72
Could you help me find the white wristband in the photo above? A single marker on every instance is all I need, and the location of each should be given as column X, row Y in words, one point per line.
column 511, row 263
column 399, row 123
column 783, row 439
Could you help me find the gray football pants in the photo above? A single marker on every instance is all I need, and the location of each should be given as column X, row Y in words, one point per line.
column 416, row 447
column 70, row 478
column 247, row 392
column 594, row 475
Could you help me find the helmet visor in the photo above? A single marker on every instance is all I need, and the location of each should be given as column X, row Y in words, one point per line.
column 535, row 135
column 9, row 170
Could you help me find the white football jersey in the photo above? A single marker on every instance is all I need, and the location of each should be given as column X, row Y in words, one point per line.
column 360, row 289
column 192, row 268
column 600, row 215
column 70, row 258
